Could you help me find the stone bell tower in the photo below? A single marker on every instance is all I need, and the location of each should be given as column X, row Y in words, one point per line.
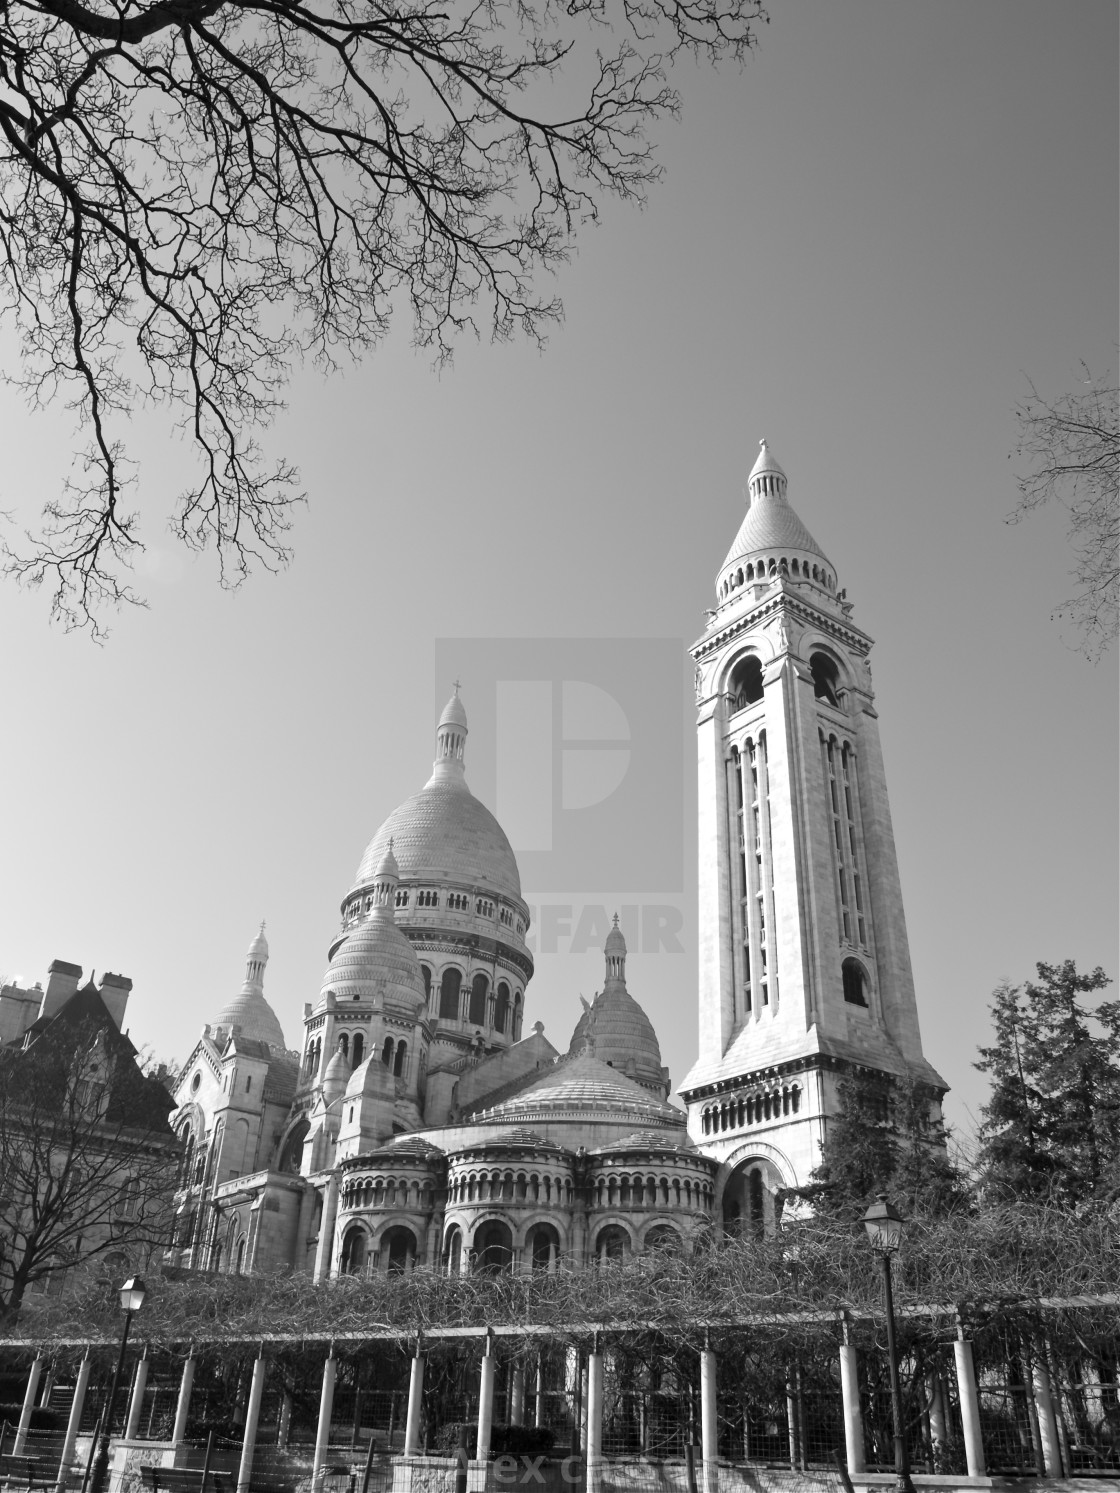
column 804, row 961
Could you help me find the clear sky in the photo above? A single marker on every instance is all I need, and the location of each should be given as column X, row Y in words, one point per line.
column 865, row 243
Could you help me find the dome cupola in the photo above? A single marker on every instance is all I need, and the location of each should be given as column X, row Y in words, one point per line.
column 616, row 1030
column 248, row 1011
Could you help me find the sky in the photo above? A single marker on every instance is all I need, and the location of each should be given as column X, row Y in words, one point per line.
column 866, row 242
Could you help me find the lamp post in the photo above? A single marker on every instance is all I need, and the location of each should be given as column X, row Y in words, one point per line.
column 132, row 1296
column 884, row 1229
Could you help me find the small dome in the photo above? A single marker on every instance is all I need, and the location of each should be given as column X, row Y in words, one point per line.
column 368, row 1079
column 248, row 1010
column 375, row 962
column 647, row 1140
column 615, row 943
column 388, row 866
column 582, row 1083
column 453, row 712
column 258, row 949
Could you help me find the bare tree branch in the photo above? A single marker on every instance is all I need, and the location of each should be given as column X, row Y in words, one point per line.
column 1072, row 448
column 195, row 194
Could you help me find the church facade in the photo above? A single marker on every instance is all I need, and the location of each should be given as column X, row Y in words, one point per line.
column 426, row 1119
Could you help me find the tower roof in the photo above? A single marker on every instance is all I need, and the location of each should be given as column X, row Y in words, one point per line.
column 453, row 712
column 770, row 523
column 615, row 1027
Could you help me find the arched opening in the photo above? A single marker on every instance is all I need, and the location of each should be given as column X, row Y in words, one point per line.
column 493, row 1249
column 611, row 1243
column 855, row 982
column 476, row 1013
column 387, row 1052
column 344, row 1045
column 355, row 1243
column 543, row 1248
column 449, row 987
column 398, row 1250
column 359, row 1048
column 745, row 1213
column 453, row 1251
column 291, row 1155
column 826, row 678
column 399, row 1060
column 662, row 1237
column 746, row 682
column 517, row 1017
column 501, row 1007
column 239, row 1258
column 427, row 973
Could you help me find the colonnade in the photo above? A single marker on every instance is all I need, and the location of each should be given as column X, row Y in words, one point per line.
column 591, row 1413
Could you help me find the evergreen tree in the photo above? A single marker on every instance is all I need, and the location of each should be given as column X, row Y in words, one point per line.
column 1052, row 1124
column 884, row 1140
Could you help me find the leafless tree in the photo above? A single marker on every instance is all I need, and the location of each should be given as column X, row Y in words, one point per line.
column 195, row 193
column 87, row 1160
column 1072, row 452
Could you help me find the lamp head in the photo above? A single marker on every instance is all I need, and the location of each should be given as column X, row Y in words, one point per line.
column 133, row 1293
column 883, row 1225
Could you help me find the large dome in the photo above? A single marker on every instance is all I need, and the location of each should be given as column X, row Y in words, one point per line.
column 445, row 834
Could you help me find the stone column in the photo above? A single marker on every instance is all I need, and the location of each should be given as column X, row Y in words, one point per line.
column 28, row 1404
column 970, row 1408
column 183, row 1408
column 136, row 1400
column 538, row 1397
column 853, row 1418
column 326, row 1407
column 415, row 1396
column 252, row 1416
column 594, row 1411
column 485, row 1402
column 73, row 1423
column 709, row 1423
column 1047, row 1420
column 326, row 1230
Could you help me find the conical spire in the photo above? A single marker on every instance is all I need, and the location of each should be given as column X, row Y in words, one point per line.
column 772, row 542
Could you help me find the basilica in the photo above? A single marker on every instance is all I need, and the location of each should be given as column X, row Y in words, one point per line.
column 426, row 1119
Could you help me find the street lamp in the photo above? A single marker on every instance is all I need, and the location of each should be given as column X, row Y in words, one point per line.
column 884, row 1229
column 132, row 1295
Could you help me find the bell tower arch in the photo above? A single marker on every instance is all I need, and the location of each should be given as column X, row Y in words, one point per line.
column 804, row 964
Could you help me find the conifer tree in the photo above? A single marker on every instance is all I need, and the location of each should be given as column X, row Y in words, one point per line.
column 1052, row 1124
column 884, row 1140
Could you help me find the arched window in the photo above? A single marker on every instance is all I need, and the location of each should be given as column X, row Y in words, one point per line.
column 855, row 982
column 387, row 1052
column 493, row 1246
column 480, row 988
column 746, row 682
column 543, row 1248
column 359, row 1048
column 344, row 1044
column 399, row 1060
column 427, row 973
column 826, row 678
column 239, row 1259
column 611, row 1243
column 354, row 1245
column 664, row 1238
column 517, row 1016
column 398, row 1250
column 453, row 1251
column 449, row 987
column 501, row 1007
